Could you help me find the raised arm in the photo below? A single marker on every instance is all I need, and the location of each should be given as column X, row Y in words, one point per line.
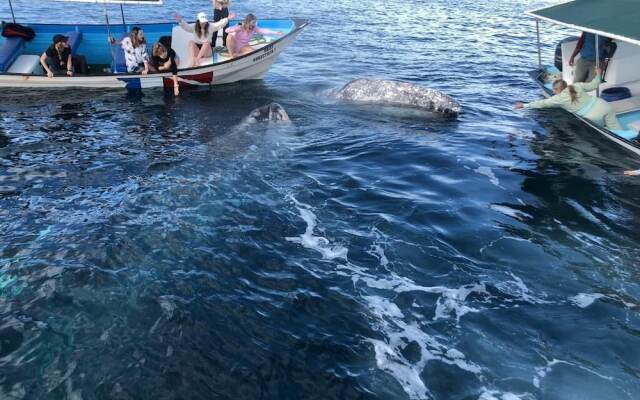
column 216, row 26
column 183, row 24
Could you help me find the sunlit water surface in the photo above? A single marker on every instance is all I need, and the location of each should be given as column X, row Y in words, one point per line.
column 156, row 248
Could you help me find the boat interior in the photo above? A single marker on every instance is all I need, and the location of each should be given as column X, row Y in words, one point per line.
column 17, row 56
column 620, row 72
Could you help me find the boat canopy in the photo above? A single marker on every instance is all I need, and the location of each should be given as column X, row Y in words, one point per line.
column 614, row 19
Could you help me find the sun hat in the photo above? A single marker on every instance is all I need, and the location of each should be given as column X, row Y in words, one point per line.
column 202, row 17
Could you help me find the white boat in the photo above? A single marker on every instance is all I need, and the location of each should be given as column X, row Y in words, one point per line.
column 617, row 20
column 20, row 66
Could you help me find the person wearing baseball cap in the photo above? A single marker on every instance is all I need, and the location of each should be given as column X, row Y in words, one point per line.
column 202, row 30
column 57, row 60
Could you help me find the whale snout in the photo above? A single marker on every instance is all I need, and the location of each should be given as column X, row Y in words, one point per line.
column 278, row 113
column 271, row 112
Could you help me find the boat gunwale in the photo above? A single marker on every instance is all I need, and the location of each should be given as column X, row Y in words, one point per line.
column 300, row 23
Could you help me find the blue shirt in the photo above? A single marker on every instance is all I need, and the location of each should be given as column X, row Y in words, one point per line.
column 588, row 51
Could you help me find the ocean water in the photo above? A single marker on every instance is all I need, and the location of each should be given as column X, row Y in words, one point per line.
column 158, row 248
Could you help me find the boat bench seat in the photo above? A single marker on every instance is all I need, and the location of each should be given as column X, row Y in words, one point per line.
column 626, row 134
column 25, row 64
column 119, row 63
column 9, row 51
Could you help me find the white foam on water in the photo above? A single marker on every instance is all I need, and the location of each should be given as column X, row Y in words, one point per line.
column 584, row 300
column 452, row 302
column 389, row 320
column 317, row 243
column 506, row 237
column 510, row 212
column 542, row 372
column 488, row 172
column 518, row 289
column 497, row 395
column 378, row 251
column 389, row 357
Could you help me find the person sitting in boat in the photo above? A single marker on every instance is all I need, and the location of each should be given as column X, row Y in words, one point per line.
column 240, row 36
column 584, row 68
column 135, row 52
column 574, row 98
column 200, row 44
column 57, row 60
column 163, row 59
column 220, row 11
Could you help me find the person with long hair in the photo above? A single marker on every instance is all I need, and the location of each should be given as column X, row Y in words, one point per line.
column 135, row 52
column 576, row 99
column 240, row 36
column 163, row 59
column 202, row 29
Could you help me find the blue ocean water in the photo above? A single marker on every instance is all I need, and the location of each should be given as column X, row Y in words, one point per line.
column 157, row 248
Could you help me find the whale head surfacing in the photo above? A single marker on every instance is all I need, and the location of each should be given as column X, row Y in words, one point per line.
column 271, row 112
column 399, row 94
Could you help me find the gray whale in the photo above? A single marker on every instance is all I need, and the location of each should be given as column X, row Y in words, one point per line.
column 270, row 112
column 399, row 94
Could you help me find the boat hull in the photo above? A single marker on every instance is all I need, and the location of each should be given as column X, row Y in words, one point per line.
column 252, row 66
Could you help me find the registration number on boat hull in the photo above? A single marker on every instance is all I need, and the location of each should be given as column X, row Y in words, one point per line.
column 266, row 52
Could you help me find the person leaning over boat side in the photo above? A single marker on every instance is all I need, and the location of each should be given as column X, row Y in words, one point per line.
column 584, row 68
column 57, row 60
column 220, row 11
column 240, row 36
column 135, row 52
column 164, row 60
column 574, row 98
column 200, row 44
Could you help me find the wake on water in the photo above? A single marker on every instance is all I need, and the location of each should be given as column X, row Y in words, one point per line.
column 391, row 322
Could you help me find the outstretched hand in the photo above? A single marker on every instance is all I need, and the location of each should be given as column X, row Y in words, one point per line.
column 632, row 172
column 178, row 17
column 519, row 105
column 231, row 16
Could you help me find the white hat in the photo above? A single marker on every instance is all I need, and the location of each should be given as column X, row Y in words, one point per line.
column 202, row 17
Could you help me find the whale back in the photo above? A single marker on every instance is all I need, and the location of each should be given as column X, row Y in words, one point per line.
column 401, row 94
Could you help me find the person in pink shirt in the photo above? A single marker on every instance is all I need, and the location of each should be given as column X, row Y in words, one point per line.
column 240, row 36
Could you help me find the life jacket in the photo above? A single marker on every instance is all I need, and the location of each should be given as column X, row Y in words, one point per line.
column 16, row 30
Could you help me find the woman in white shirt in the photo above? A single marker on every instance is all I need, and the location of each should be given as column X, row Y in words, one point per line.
column 200, row 44
column 135, row 52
